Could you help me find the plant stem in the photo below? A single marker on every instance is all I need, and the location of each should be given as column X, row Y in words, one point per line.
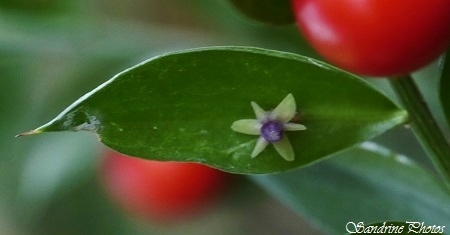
column 424, row 125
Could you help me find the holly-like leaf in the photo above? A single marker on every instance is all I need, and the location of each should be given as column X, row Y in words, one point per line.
column 180, row 107
column 445, row 85
column 365, row 184
column 268, row 11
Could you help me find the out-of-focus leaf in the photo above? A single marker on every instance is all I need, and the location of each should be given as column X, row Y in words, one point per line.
column 445, row 86
column 267, row 11
column 180, row 107
column 54, row 165
column 36, row 6
column 368, row 183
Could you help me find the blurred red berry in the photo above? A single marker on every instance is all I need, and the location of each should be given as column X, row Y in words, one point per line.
column 159, row 190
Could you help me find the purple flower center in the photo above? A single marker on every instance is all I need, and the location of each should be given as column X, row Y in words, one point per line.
column 272, row 131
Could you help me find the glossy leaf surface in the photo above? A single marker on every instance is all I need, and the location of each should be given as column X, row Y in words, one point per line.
column 180, row 107
column 368, row 184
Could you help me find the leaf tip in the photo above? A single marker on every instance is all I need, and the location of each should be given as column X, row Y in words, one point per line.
column 32, row 132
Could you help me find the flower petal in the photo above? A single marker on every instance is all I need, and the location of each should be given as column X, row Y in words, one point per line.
column 260, row 114
column 293, row 127
column 284, row 148
column 285, row 111
column 261, row 144
column 247, row 126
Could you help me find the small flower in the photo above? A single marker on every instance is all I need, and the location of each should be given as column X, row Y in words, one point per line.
column 270, row 126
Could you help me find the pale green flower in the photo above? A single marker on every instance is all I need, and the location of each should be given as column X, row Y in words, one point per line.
column 270, row 126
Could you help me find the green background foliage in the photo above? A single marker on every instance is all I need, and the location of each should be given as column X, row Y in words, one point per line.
column 372, row 172
column 444, row 92
column 268, row 11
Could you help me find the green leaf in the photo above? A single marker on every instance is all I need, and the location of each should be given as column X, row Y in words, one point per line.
column 268, row 11
column 445, row 85
column 368, row 183
column 394, row 227
column 180, row 107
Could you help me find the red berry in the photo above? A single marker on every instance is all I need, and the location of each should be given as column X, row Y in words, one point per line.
column 159, row 190
column 376, row 37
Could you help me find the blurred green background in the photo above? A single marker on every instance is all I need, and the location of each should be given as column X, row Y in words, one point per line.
column 54, row 51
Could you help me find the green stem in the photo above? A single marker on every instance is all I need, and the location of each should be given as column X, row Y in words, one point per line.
column 424, row 125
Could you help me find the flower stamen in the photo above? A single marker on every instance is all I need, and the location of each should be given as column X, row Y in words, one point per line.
column 272, row 131
column 271, row 127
